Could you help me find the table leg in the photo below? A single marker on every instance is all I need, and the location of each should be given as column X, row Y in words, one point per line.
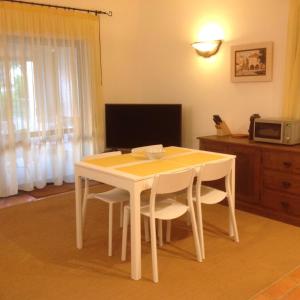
column 135, row 223
column 78, row 197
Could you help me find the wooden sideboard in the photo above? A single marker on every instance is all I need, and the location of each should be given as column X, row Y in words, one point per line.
column 267, row 176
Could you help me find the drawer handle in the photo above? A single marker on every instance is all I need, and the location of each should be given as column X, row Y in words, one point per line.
column 287, row 164
column 286, row 184
column 284, row 204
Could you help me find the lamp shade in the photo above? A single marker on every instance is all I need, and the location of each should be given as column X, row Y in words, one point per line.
column 207, row 48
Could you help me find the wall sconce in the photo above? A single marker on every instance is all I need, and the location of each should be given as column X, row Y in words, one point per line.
column 207, row 48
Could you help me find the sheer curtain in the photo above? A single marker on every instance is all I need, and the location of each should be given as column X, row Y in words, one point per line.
column 291, row 107
column 50, row 95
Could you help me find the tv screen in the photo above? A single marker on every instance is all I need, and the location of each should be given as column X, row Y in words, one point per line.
column 135, row 125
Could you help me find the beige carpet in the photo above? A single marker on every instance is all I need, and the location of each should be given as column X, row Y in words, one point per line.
column 39, row 260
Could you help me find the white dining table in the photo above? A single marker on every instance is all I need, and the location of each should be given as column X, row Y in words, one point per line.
column 135, row 173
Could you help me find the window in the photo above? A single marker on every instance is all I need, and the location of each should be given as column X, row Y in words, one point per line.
column 49, row 94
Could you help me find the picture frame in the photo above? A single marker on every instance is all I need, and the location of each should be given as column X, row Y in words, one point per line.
column 252, row 62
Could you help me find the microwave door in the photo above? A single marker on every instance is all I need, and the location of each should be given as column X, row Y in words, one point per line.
column 269, row 132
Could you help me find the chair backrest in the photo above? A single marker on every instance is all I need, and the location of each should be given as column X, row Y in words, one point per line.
column 101, row 155
column 171, row 183
column 147, row 148
column 215, row 170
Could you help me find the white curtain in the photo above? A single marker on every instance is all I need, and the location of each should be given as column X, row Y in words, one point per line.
column 50, row 97
column 291, row 105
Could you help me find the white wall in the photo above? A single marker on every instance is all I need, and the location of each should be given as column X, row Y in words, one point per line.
column 146, row 57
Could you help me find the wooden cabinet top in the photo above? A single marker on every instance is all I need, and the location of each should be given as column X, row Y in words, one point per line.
column 246, row 142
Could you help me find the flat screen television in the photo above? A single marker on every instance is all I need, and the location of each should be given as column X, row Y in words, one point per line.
column 135, row 125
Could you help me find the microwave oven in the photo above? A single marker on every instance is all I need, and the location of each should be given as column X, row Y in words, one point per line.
column 279, row 131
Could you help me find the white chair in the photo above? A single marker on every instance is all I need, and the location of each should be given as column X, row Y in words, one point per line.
column 165, row 209
column 208, row 195
column 111, row 197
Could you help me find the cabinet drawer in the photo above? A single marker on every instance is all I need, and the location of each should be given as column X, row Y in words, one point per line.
column 281, row 202
column 283, row 182
column 281, row 161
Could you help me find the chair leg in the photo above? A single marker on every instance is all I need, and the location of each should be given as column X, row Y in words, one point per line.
column 110, row 228
column 168, row 234
column 230, row 228
column 153, row 250
column 124, row 234
column 160, row 233
column 232, row 224
column 121, row 214
column 188, row 219
column 233, row 220
column 146, row 228
column 229, row 189
column 195, row 234
column 200, row 227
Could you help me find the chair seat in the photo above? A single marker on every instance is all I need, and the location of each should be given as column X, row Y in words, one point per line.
column 166, row 209
column 114, row 195
column 211, row 195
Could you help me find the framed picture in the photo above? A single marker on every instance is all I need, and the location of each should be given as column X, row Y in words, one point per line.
column 252, row 62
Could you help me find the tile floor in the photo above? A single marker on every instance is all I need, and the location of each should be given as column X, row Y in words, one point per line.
column 285, row 288
column 17, row 199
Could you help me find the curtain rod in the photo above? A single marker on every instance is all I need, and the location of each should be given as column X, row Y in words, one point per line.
column 96, row 12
